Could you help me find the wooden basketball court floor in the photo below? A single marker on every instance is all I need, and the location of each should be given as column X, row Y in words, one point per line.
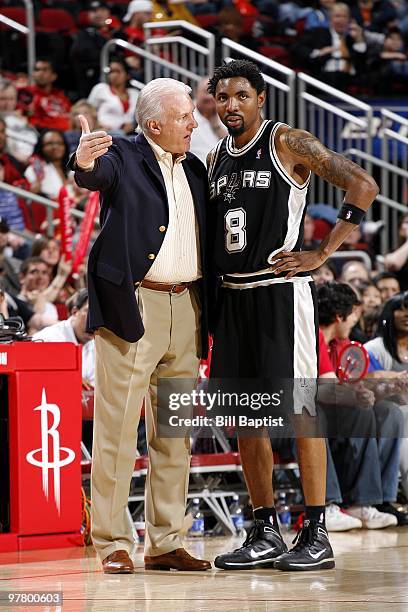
column 371, row 574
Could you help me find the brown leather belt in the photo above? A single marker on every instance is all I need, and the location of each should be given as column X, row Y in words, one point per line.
column 169, row 288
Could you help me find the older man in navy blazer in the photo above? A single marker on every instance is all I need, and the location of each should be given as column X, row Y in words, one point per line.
column 147, row 307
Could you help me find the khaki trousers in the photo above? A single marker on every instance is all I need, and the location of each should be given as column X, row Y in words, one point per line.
column 125, row 373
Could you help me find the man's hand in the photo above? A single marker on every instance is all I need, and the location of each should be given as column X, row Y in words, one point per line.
column 297, row 261
column 326, row 51
column 356, row 32
column 364, row 396
column 91, row 145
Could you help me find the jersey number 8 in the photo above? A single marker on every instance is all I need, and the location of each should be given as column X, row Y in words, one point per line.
column 235, row 230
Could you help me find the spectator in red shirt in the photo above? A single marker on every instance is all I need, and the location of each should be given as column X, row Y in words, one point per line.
column 46, row 106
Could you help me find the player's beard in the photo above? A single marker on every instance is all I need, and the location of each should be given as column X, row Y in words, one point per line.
column 236, row 131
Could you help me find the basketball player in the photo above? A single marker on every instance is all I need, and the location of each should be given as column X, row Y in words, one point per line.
column 265, row 326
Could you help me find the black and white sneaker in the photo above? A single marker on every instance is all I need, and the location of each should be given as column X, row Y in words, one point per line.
column 312, row 550
column 262, row 545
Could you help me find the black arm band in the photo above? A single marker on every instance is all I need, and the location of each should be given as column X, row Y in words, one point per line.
column 351, row 214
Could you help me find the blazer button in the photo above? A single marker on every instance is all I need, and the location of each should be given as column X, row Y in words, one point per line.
column 151, row 256
column 162, row 228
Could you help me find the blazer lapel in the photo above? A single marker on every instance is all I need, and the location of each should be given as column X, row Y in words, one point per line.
column 150, row 161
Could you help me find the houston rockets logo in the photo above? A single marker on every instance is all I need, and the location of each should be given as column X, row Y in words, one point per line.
column 50, row 447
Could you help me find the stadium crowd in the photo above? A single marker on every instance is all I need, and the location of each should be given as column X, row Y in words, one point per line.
column 358, row 47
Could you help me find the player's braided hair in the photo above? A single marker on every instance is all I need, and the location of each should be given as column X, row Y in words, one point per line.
column 238, row 68
column 335, row 299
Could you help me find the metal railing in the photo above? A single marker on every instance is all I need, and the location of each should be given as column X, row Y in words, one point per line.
column 340, row 121
column 394, row 176
column 280, row 81
column 195, row 56
column 49, row 205
column 391, row 207
column 149, row 58
column 29, row 32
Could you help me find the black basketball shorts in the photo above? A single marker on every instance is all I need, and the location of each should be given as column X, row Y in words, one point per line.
column 267, row 329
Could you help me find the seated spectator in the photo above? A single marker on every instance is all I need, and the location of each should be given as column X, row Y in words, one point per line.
column 356, row 242
column 209, row 129
column 63, row 285
column 387, row 284
column 34, row 281
column 115, row 101
column 375, row 15
column 48, row 249
column 48, row 171
column 390, row 348
column 13, row 168
column 231, row 25
column 391, row 63
column 73, row 330
column 10, row 210
column 87, row 46
column 45, row 106
column 354, row 271
column 336, row 54
column 326, row 273
column 367, row 323
column 82, row 107
column 397, row 261
column 389, row 352
column 9, row 265
column 21, row 137
column 367, row 465
column 309, row 242
column 320, row 17
column 293, row 11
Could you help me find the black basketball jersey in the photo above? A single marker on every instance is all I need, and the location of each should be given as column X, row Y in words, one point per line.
column 256, row 208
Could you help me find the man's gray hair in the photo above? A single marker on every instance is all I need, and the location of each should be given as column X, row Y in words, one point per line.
column 149, row 103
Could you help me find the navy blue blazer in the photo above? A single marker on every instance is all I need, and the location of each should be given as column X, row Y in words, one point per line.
column 133, row 207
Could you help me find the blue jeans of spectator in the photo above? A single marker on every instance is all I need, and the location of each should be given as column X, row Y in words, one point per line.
column 367, row 467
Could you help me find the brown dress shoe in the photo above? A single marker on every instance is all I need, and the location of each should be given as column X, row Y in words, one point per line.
column 118, row 562
column 178, row 559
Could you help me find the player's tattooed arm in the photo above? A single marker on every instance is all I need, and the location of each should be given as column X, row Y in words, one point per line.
column 307, row 150
column 303, row 149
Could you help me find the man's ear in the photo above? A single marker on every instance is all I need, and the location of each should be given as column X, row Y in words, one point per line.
column 154, row 126
column 261, row 99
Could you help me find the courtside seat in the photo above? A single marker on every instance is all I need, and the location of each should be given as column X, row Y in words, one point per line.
column 207, row 20
column 56, row 20
column 16, row 13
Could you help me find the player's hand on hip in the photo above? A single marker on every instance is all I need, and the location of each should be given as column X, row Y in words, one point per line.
column 91, row 145
column 294, row 262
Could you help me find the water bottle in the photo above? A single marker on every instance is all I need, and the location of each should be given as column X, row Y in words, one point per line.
column 283, row 512
column 197, row 528
column 237, row 516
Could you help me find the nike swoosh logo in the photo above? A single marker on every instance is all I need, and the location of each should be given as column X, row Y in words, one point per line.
column 256, row 555
column 317, row 555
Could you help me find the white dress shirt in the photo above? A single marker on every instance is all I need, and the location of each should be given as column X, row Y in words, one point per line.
column 64, row 332
column 179, row 257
